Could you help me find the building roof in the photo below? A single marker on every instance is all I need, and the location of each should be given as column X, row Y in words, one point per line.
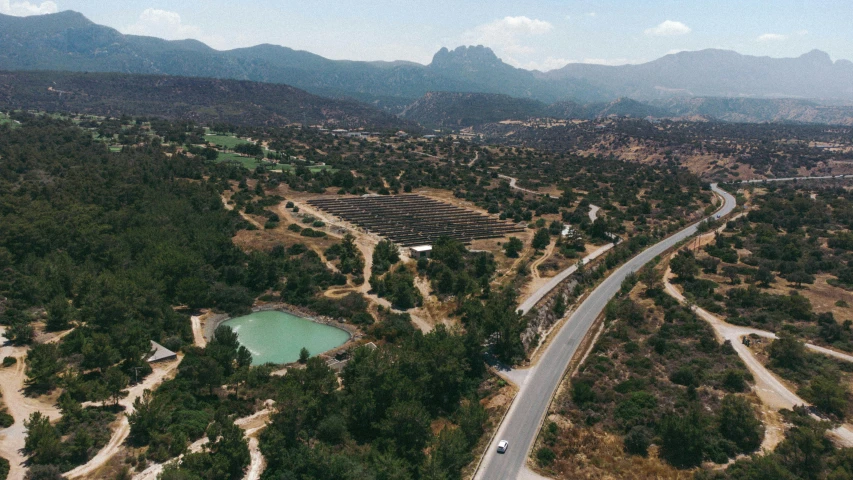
column 422, row 248
column 160, row 353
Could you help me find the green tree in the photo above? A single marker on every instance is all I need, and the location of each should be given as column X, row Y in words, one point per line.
column 541, row 239
column 787, row 352
column 684, row 266
column 739, row 424
column 545, row 456
column 406, row 427
column 42, row 442
column 764, row 276
column 385, row 255
column 59, row 314
column 43, row 365
column 115, row 382
column 638, row 440
column 682, row 439
column 559, row 307
column 828, row 393
column 148, row 416
column 512, row 247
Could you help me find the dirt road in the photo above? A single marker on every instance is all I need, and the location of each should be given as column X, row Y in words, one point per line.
column 19, row 406
column 162, row 371
column 198, row 332
column 772, row 392
column 251, row 425
column 552, row 283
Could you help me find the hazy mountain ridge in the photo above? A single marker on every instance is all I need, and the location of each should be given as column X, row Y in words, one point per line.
column 675, row 85
column 754, row 110
column 68, row 41
column 721, row 73
column 459, row 110
column 201, row 99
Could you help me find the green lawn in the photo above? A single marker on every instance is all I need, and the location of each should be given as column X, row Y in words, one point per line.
column 248, row 162
column 4, row 119
column 115, row 148
column 225, row 141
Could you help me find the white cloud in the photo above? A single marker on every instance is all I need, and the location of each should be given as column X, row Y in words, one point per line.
column 505, row 35
column 25, row 9
column 802, row 33
column 772, row 37
column 591, row 14
column 668, row 28
column 153, row 22
column 507, row 32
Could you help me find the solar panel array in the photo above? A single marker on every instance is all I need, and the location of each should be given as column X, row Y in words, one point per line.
column 410, row 220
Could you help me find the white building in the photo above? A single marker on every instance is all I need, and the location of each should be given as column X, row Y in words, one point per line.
column 421, row 251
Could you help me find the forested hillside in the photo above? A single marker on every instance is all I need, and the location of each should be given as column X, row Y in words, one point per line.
column 200, row 99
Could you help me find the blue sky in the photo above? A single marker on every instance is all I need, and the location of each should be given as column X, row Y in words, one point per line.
column 542, row 34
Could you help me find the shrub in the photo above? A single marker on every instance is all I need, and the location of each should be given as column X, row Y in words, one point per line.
column 545, row 456
column 638, row 440
column 734, row 380
column 739, row 424
column 6, row 420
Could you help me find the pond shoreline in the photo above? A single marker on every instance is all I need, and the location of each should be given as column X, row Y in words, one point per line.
column 215, row 320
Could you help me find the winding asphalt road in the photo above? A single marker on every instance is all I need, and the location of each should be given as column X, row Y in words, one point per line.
column 522, row 422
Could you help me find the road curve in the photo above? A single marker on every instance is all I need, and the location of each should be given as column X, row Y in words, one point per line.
column 522, row 422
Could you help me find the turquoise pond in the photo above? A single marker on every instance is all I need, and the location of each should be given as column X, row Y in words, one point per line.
column 277, row 337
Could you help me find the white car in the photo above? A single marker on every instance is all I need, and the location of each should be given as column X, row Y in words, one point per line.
column 502, row 446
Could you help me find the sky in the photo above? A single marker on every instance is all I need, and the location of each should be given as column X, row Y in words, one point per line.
column 543, row 34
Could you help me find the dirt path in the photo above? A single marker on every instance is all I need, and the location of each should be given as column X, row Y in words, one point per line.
column 512, row 184
column 19, row 406
column 476, row 157
column 198, row 331
column 552, row 283
column 243, row 214
column 534, row 267
column 251, row 425
column 154, row 470
column 161, row 372
column 772, row 392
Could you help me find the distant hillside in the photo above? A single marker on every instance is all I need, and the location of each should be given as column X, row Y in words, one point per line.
column 202, row 99
column 719, row 73
column 459, row 110
column 754, row 110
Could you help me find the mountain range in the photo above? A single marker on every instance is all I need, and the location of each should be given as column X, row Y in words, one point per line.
column 715, row 83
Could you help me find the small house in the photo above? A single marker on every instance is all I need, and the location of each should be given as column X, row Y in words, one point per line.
column 159, row 353
column 421, row 251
